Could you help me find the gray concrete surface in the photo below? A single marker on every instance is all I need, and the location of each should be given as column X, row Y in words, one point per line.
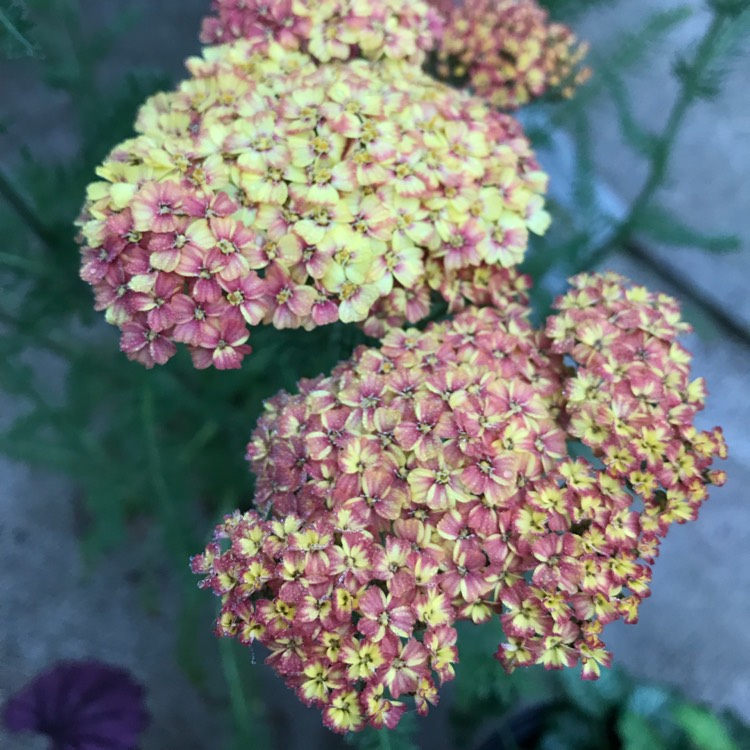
column 693, row 632
column 708, row 176
column 54, row 608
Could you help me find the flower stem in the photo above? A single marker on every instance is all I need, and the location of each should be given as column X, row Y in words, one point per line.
column 246, row 710
column 25, row 211
column 686, row 98
column 16, row 34
column 175, row 534
column 384, row 737
column 236, row 691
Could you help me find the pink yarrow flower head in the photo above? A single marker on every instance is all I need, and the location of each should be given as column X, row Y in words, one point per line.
column 508, row 51
column 428, row 481
column 631, row 399
column 270, row 189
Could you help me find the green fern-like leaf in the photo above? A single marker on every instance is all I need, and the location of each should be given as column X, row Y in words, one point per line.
column 664, row 227
column 635, row 135
column 631, row 50
column 703, row 71
column 634, row 47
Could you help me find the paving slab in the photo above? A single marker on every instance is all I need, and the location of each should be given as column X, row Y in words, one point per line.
column 708, row 176
column 56, row 608
column 691, row 632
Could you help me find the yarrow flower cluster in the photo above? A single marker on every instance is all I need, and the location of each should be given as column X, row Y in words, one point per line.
column 429, row 481
column 631, row 399
column 309, row 172
column 508, row 51
column 330, row 29
column 270, row 189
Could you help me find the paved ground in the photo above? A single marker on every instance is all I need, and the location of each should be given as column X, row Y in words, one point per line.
column 693, row 632
column 708, row 176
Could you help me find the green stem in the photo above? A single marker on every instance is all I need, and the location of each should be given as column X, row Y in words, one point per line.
column 243, row 710
column 26, row 212
column 384, row 739
column 172, row 520
column 660, row 161
column 686, row 98
column 16, row 34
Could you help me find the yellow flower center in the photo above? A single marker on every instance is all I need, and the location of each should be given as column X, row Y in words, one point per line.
column 226, row 246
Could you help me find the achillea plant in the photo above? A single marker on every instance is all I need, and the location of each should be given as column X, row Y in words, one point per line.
column 308, row 172
column 271, row 188
column 429, row 480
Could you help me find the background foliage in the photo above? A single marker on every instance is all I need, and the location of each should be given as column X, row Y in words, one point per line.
column 166, row 446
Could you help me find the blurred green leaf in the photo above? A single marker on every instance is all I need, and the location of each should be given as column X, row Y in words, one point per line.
column 738, row 730
column 704, row 325
column 729, row 7
column 636, row 733
column 595, row 698
column 570, row 9
column 704, row 730
column 572, row 731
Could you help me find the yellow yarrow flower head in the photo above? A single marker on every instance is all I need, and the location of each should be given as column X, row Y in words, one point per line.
column 268, row 188
column 329, row 29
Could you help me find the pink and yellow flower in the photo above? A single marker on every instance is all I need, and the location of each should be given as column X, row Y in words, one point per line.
column 350, row 191
column 428, row 481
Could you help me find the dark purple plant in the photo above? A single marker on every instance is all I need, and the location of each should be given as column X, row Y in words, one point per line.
column 81, row 705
